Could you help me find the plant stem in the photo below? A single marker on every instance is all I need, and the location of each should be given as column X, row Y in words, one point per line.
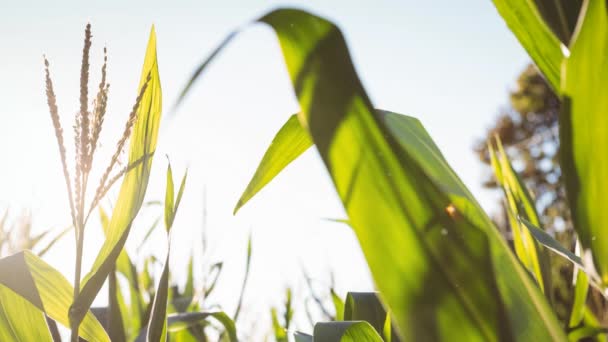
column 74, row 325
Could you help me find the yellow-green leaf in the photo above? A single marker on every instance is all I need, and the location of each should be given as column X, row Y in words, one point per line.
column 20, row 320
column 584, row 131
column 48, row 290
column 135, row 182
column 527, row 24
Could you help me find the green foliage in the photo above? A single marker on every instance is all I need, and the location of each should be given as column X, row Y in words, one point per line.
column 46, row 289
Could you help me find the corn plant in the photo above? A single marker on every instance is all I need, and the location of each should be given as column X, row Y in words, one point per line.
column 28, row 280
column 438, row 261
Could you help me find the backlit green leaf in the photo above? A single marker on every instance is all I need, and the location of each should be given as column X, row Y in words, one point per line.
column 20, row 320
column 289, row 143
column 349, row 331
column 438, row 261
column 525, row 21
column 584, row 132
column 47, row 289
column 135, row 182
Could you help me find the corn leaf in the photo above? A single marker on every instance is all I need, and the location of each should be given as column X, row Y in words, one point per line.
column 47, row 289
column 520, row 204
column 584, row 132
column 135, row 182
column 581, row 288
column 365, row 306
column 350, row 331
column 338, row 305
column 400, row 195
column 527, row 24
column 289, row 143
column 177, row 322
column 302, row 337
column 20, row 320
column 157, row 326
column 133, row 313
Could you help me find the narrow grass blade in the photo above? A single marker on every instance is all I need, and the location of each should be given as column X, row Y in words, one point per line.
column 46, row 289
column 157, row 326
column 135, row 182
column 534, row 35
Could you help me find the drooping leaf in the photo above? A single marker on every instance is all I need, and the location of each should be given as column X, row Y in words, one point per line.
column 135, row 182
column 20, row 320
column 47, row 289
column 396, row 179
column 533, row 33
column 289, row 143
column 348, row 331
column 584, row 131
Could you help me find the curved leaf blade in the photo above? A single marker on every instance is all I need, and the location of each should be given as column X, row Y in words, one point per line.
column 385, row 181
column 20, row 320
column 584, row 131
column 288, row 144
column 349, row 331
column 48, row 290
column 135, row 182
column 524, row 20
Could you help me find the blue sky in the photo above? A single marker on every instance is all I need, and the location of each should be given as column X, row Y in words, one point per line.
column 449, row 63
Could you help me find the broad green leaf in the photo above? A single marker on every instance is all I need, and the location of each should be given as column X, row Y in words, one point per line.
column 524, row 20
column 520, row 204
column 302, row 337
column 47, row 289
column 366, row 306
column 135, row 182
column 349, row 331
column 289, row 143
column 338, row 305
column 560, row 16
column 20, row 320
column 438, row 261
column 584, row 131
column 581, row 288
column 185, row 320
